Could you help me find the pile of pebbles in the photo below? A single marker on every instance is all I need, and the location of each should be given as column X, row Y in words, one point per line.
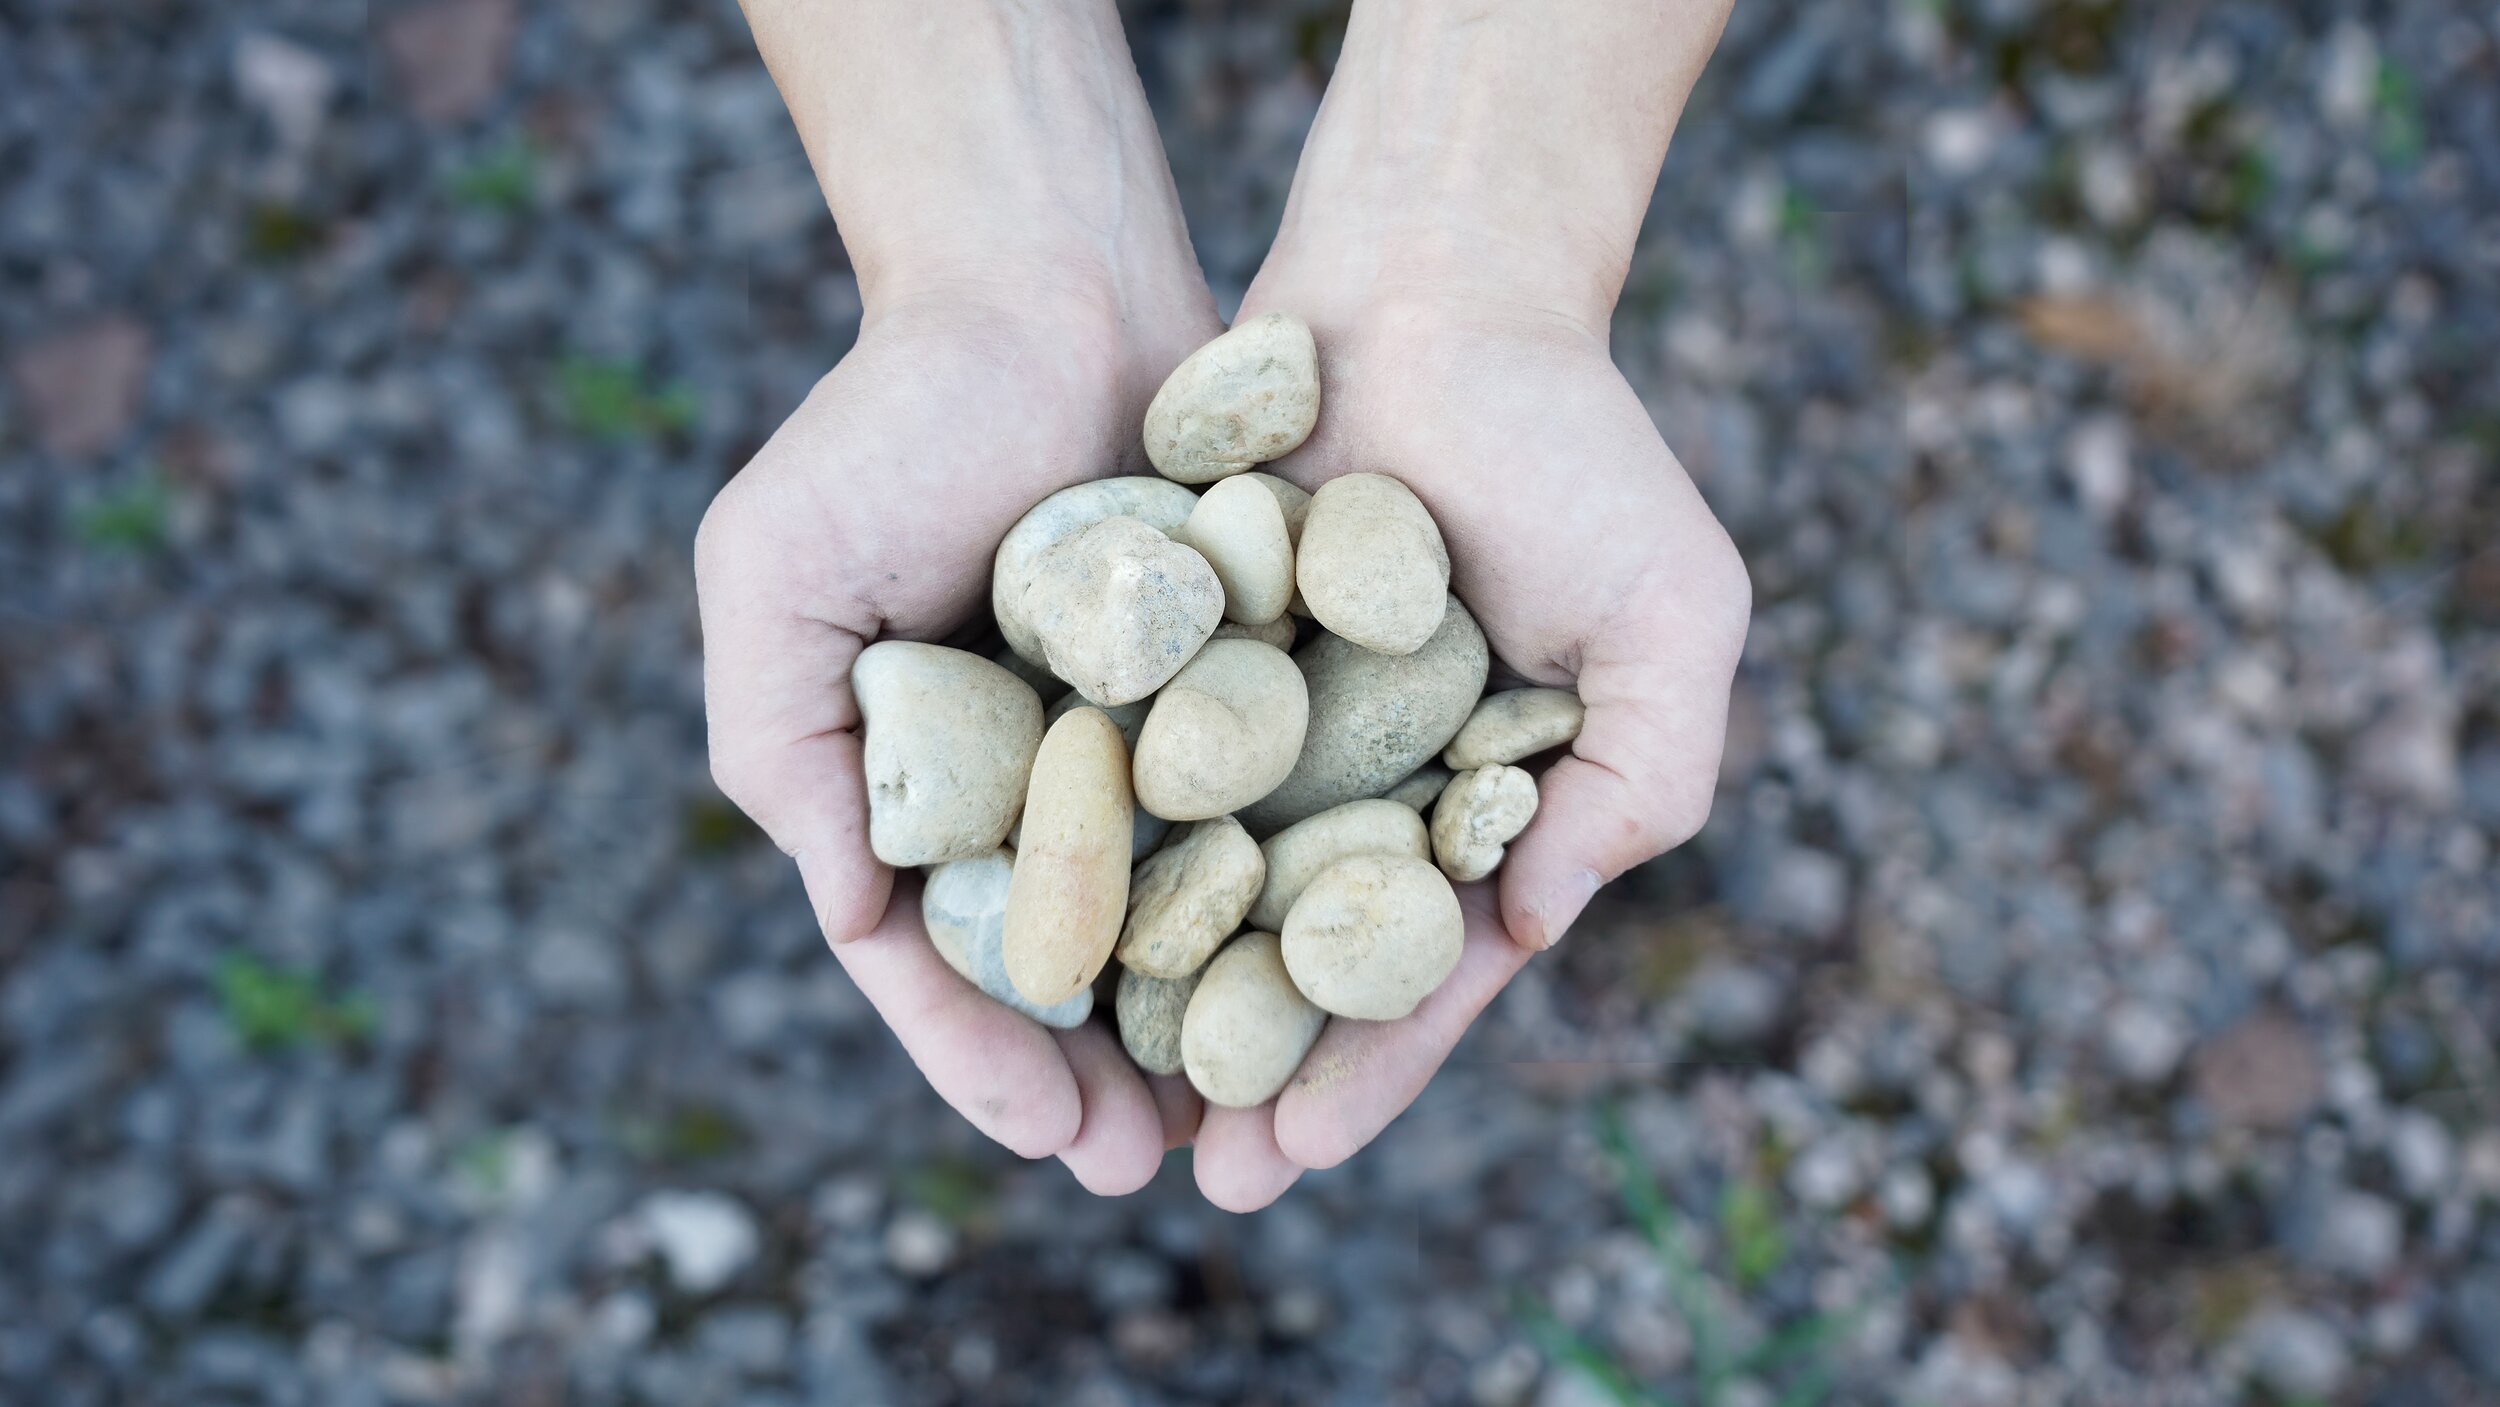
column 1261, row 696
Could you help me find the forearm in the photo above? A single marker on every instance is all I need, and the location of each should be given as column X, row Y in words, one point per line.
column 1497, row 148
column 981, row 144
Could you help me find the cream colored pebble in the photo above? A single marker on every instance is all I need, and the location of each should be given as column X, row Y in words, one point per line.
column 1188, row 897
column 948, row 740
column 1223, row 732
column 1247, row 397
column 1119, row 608
column 1371, row 564
column 1239, row 527
column 1373, row 935
column 1247, row 1026
column 1158, row 503
column 1478, row 814
column 1295, row 855
column 1513, row 724
column 1069, row 892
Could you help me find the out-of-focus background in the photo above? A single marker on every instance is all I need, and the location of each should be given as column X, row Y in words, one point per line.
column 2085, row 991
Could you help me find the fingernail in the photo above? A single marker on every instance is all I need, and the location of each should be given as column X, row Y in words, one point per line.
column 1564, row 905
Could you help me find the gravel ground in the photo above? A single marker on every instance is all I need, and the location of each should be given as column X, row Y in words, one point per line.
column 2085, row 991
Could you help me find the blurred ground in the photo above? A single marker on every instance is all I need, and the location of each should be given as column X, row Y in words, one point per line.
column 2084, row 992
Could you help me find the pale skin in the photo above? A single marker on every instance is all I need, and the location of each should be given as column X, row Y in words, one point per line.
column 1457, row 234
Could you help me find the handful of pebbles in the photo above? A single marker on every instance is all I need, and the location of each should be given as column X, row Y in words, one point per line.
column 1271, row 757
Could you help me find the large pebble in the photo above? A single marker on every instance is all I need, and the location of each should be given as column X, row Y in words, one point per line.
column 1070, row 888
column 1420, row 787
column 1247, row 397
column 1119, row 608
column 1371, row 564
column 949, row 740
column 964, row 904
column 1296, row 854
column 1158, row 503
column 1248, row 1026
column 1375, row 717
column 1239, row 527
column 1223, row 733
column 1479, row 813
column 1513, row 724
column 1373, row 935
column 1150, row 1010
column 1189, row 897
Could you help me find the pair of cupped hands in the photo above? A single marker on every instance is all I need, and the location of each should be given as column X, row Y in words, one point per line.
column 1573, row 534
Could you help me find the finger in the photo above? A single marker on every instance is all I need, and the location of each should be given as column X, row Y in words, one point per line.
column 1363, row 1074
column 1119, row 1137
column 781, row 721
column 1239, row 1166
column 1641, row 775
column 1181, row 1108
column 997, row 1067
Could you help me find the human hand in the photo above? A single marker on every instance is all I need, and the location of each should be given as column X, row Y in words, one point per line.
column 1026, row 286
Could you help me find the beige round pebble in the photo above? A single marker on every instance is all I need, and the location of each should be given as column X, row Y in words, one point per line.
column 1513, row 724
column 1247, row 1026
column 1295, row 855
column 1119, row 608
column 1420, row 787
column 1276, row 634
column 1069, row 892
column 1189, row 897
column 1223, row 733
column 1158, row 503
column 1479, row 813
column 1239, row 527
column 1373, row 935
column 1374, row 718
column 1150, row 1010
column 964, row 905
column 1371, row 564
column 948, row 740
column 1247, row 397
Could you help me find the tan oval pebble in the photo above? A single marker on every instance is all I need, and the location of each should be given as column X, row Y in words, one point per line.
column 1276, row 634
column 1189, row 897
column 1420, row 787
column 1119, row 608
column 1158, row 503
column 1374, row 717
column 1247, row 1026
column 1247, row 397
column 1239, row 527
column 948, row 740
column 1371, row 564
column 1479, row 813
column 1223, row 733
column 1150, row 1011
column 1070, row 888
column 1296, row 854
column 1513, row 724
column 964, row 905
column 1373, row 935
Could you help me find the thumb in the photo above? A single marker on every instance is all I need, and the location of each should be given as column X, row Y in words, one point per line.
column 1641, row 775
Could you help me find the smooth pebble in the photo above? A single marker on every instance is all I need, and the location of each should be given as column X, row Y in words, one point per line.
column 948, row 740
column 1247, row 397
column 1150, row 1010
column 1295, row 855
column 964, row 904
column 1069, row 893
column 1371, row 564
column 1373, row 935
column 1247, row 1026
column 1239, row 527
column 1223, row 732
column 1189, row 897
column 1513, row 724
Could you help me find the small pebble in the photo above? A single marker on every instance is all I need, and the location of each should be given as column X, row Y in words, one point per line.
column 1373, row 935
column 1223, row 733
column 1247, row 1026
column 1150, row 1010
column 949, row 739
column 1477, row 815
column 1189, row 897
column 1119, row 608
column 1239, row 527
column 1249, row 396
column 1371, row 564
column 1296, row 854
column 1513, row 724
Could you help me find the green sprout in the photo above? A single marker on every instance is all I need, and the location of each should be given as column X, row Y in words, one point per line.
column 503, row 180
column 609, row 400
column 131, row 519
column 709, row 827
column 1797, row 1357
column 276, row 1008
column 2401, row 134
